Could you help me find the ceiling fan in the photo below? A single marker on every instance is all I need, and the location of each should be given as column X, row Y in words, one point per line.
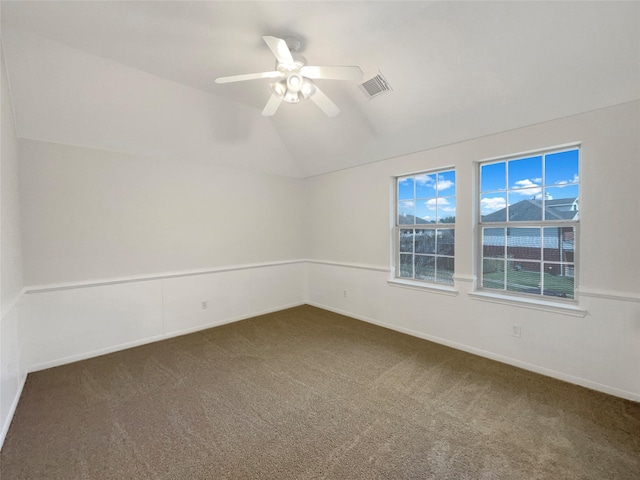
column 294, row 77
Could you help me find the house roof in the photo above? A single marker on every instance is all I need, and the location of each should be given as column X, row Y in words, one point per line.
column 138, row 77
column 530, row 210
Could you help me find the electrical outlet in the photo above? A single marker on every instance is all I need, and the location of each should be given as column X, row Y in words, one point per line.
column 204, row 305
column 516, row 331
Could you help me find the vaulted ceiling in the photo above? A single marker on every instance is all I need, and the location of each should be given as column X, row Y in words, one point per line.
column 138, row 77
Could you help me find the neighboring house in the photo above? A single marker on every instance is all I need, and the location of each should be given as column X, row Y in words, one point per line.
column 524, row 243
column 411, row 220
column 531, row 210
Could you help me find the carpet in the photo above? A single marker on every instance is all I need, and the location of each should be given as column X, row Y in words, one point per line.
column 308, row 394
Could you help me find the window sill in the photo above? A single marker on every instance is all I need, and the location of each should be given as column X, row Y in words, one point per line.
column 423, row 286
column 544, row 305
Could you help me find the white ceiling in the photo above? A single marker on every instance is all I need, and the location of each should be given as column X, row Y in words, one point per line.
column 458, row 70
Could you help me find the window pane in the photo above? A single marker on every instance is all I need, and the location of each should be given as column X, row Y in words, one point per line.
column 536, row 257
column 426, row 211
column 561, row 168
column 406, row 212
column 493, row 177
column 425, row 186
column 493, row 244
column 447, row 184
column 406, row 240
column 425, row 241
column 493, row 274
column 405, row 188
column 525, row 205
column 425, row 200
column 523, row 243
column 523, row 277
column 559, row 244
column 558, row 280
column 493, row 207
column 406, row 266
column 425, row 267
column 447, row 210
column 561, row 203
column 446, row 241
column 445, row 270
column 525, row 173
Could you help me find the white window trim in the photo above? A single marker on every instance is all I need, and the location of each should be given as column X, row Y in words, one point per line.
column 568, row 308
column 410, row 283
column 441, row 288
column 538, row 302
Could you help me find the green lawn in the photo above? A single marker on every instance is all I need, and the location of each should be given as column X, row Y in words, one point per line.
column 522, row 281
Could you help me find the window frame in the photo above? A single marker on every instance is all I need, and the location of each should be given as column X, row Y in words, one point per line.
column 542, row 223
column 413, row 282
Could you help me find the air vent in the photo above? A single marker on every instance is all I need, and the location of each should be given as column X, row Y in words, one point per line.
column 376, row 86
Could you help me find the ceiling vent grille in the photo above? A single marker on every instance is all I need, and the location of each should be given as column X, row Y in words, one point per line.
column 375, row 86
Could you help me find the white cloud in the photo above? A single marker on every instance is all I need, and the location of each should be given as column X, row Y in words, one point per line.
column 443, row 205
column 430, row 182
column 444, row 184
column 526, row 183
column 532, row 188
column 436, row 202
column 493, row 204
column 427, row 180
column 575, row 179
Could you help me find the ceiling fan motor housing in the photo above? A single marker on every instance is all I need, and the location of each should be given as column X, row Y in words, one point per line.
column 293, row 43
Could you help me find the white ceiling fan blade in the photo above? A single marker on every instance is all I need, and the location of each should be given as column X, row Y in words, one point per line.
column 279, row 48
column 325, row 104
column 272, row 105
column 248, row 76
column 332, row 73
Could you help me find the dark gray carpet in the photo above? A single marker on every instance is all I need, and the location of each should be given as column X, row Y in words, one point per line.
column 306, row 394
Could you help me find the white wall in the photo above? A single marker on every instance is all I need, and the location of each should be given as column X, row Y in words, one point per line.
column 94, row 215
column 348, row 228
column 122, row 249
column 12, row 371
column 69, row 324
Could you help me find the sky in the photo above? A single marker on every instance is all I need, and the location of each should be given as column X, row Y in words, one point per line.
column 432, row 196
column 554, row 175
column 428, row 196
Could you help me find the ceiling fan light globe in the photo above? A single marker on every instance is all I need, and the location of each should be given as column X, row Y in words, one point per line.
column 279, row 88
column 308, row 89
column 295, row 82
column 291, row 97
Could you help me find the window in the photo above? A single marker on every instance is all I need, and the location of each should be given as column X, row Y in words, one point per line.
column 528, row 223
column 425, row 226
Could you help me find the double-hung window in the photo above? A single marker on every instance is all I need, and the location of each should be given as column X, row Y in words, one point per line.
column 425, row 226
column 529, row 223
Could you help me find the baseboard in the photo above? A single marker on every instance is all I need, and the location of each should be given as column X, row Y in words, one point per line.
column 12, row 411
column 155, row 338
column 492, row 356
